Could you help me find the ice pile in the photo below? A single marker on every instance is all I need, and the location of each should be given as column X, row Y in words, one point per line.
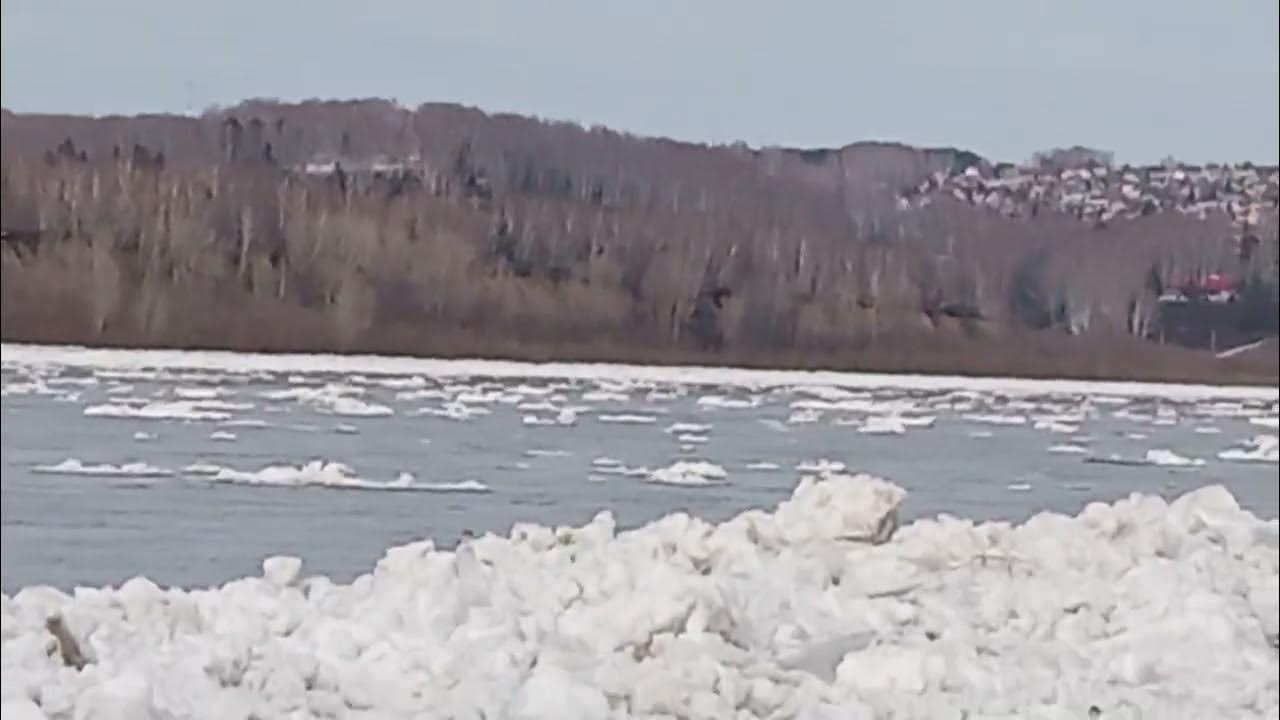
column 818, row 610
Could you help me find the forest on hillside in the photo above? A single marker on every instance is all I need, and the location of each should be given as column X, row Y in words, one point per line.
column 366, row 226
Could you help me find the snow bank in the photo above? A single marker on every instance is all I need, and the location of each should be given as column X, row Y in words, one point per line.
column 72, row 466
column 816, row 610
column 1259, row 448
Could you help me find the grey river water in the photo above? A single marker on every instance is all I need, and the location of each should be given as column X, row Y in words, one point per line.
column 984, row 456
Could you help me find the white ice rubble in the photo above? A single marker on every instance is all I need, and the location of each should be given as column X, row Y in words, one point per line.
column 820, row 609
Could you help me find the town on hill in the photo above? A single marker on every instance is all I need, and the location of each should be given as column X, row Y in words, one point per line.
column 368, row 226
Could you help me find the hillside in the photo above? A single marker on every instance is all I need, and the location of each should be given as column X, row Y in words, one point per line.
column 363, row 225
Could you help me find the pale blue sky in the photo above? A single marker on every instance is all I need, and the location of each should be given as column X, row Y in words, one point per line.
column 1143, row 78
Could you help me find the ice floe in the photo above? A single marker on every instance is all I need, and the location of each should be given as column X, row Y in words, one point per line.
column 995, row 419
column 322, row 473
column 564, row 417
column 1259, row 448
column 883, row 426
column 179, row 410
column 222, row 436
column 681, row 428
column 627, row 419
column 1157, row 457
column 73, row 466
column 689, row 474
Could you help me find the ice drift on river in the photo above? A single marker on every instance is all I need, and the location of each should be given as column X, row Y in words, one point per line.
column 72, row 466
column 816, row 610
column 1259, row 448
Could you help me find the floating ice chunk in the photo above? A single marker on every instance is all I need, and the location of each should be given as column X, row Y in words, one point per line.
column 536, row 452
column 622, row 470
column 197, row 393
column 346, row 429
column 320, row 473
column 1057, row 427
column 995, row 419
column 763, row 466
column 141, row 436
column 73, row 466
column 414, row 382
column 563, row 418
column 461, row 486
column 1019, row 486
column 354, row 407
column 604, row 396
column 606, row 462
column 181, row 410
column 774, row 424
column 222, row 436
column 804, row 417
column 689, row 474
column 1069, row 449
column 1272, row 422
column 453, row 411
column 1158, row 457
column 1208, row 430
column 681, row 428
column 427, row 394
column 1167, row 458
column 202, row 468
column 246, row 423
column 1259, row 448
column 691, row 439
column 627, row 419
column 820, row 466
column 883, row 426
column 725, row 402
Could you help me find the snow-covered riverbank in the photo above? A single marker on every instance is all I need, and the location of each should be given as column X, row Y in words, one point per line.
column 816, row 610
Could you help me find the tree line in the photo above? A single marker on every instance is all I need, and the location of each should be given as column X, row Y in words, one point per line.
column 365, row 225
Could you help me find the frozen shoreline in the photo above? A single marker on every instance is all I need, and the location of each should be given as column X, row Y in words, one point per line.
column 16, row 354
column 814, row 610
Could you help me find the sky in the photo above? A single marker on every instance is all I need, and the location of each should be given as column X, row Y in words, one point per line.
column 1142, row 78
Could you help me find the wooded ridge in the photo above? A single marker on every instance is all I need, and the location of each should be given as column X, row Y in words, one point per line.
column 442, row 230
